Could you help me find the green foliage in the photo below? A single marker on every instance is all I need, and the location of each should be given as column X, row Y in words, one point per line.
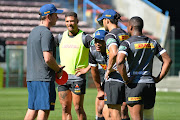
column 13, row 105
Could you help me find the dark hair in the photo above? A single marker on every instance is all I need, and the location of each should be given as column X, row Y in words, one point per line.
column 71, row 14
column 116, row 18
column 137, row 23
column 101, row 21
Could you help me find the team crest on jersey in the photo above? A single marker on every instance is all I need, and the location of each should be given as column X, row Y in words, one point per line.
column 143, row 45
column 123, row 37
column 104, row 66
column 121, row 48
column 110, row 40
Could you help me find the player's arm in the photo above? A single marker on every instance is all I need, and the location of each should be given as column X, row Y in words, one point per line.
column 120, row 61
column 113, row 50
column 51, row 62
column 80, row 71
column 47, row 45
column 165, row 66
column 121, row 66
column 96, row 78
column 94, row 71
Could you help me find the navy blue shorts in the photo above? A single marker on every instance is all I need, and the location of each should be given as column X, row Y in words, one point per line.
column 77, row 87
column 114, row 92
column 42, row 95
column 141, row 93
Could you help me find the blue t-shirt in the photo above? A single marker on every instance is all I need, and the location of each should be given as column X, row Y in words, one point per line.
column 40, row 39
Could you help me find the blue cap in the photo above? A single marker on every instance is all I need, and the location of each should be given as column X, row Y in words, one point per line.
column 49, row 9
column 109, row 14
column 100, row 34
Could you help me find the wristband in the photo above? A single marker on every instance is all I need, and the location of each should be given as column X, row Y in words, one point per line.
column 60, row 70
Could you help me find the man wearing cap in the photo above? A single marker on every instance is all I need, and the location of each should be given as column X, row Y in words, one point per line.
column 42, row 66
column 74, row 49
column 98, row 61
column 114, row 85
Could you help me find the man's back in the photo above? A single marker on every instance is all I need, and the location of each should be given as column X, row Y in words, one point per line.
column 140, row 57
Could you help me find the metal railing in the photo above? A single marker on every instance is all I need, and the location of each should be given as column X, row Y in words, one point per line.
column 95, row 8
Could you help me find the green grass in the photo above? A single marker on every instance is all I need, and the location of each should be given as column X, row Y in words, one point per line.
column 13, row 105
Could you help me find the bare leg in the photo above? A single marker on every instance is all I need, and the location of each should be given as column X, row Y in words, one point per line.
column 30, row 114
column 124, row 111
column 43, row 114
column 65, row 98
column 115, row 112
column 78, row 101
column 106, row 112
column 136, row 111
column 100, row 107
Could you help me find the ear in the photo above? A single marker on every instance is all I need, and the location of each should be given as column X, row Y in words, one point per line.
column 49, row 17
column 77, row 20
column 131, row 28
column 107, row 21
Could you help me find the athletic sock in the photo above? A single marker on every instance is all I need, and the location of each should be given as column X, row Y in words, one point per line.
column 96, row 118
column 100, row 118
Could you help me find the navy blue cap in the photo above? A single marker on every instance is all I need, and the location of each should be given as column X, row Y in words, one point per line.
column 49, row 9
column 109, row 14
column 100, row 34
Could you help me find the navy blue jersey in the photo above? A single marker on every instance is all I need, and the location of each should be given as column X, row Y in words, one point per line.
column 98, row 59
column 140, row 51
column 115, row 37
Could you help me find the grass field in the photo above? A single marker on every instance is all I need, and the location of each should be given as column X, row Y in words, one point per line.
column 13, row 105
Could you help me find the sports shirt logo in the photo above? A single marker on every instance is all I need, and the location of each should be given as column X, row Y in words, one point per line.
column 104, row 66
column 123, row 37
column 107, row 51
column 143, row 45
column 134, row 98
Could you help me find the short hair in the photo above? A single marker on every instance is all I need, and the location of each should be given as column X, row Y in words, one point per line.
column 71, row 14
column 100, row 21
column 137, row 23
column 117, row 17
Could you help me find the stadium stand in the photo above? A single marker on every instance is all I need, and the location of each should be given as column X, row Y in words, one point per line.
column 17, row 18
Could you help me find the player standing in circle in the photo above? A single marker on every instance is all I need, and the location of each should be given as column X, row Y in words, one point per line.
column 97, row 61
column 42, row 65
column 74, row 49
column 140, row 51
column 114, row 85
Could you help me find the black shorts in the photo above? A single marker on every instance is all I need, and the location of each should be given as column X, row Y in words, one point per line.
column 141, row 93
column 114, row 92
column 77, row 87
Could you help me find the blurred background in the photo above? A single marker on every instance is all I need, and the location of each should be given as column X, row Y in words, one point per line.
column 19, row 17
